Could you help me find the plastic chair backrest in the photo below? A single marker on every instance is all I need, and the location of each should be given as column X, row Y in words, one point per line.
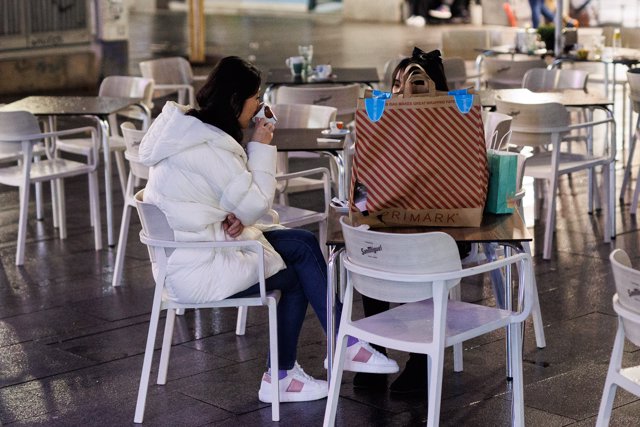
column 633, row 76
column 533, row 124
column 167, row 70
column 13, row 125
column 627, row 281
column 389, row 67
column 541, row 79
column 298, row 116
column 128, row 87
column 154, row 222
column 132, row 138
column 465, row 43
column 418, row 253
column 342, row 97
column 630, row 37
column 455, row 71
column 507, row 72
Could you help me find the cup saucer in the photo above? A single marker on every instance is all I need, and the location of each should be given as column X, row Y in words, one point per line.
column 317, row 78
column 340, row 132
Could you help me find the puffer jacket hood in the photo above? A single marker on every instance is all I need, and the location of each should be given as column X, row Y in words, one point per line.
column 160, row 141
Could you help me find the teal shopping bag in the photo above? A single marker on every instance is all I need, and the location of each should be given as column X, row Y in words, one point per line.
column 503, row 169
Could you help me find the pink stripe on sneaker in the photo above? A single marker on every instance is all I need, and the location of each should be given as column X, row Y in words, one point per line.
column 266, row 378
column 295, row 386
column 363, row 355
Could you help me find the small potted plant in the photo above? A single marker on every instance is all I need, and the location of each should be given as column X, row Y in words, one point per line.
column 548, row 35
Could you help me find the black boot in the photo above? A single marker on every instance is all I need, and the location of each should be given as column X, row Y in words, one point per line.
column 414, row 377
column 367, row 381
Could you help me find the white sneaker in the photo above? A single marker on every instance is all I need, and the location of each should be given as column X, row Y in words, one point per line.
column 441, row 12
column 297, row 386
column 416, row 21
column 361, row 357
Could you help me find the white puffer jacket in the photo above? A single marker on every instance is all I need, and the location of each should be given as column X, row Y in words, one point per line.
column 198, row 175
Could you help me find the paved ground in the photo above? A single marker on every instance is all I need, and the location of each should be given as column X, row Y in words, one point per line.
column 71, row 345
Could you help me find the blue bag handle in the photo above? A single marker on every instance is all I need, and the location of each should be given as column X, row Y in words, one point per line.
column 375, row 105
column 464, row 100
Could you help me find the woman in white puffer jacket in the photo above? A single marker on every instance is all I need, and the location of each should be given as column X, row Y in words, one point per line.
column 211, row 188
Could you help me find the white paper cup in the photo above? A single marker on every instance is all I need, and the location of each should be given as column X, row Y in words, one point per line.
column 265, row 112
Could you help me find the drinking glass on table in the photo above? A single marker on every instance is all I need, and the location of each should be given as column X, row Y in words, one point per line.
column 307, row 53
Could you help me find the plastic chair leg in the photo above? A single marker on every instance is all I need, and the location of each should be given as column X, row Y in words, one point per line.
column 62, row 211
column 94, row 195
column 634, row 201
column 336, row 380
column 435, row 388
column 122, row 245
column 458, row 362
column 166, row 346
column 124, row 233
column 627, row 172
column 273, row 352
column 122, row 171
column 322, row 234
column 610, row 387
column 22, row 222
column 626, row 177
column 39, row 206
column 436, row 367
column 550, row 218
column 241, row 322
column 536, row 312
column 148, row 359
column 517, row 408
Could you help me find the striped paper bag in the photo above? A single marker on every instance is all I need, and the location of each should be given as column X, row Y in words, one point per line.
column 423, row 163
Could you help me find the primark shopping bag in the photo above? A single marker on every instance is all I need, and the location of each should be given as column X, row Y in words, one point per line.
column 420, row 162
column 503, row 169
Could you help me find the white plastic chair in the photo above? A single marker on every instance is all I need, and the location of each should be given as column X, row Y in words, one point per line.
column 21, row 129
column 380, row 266
column 342, row 97
column 634, row 97
column 542, row 79
column 507, row 71
column 626, row 302
column 291, row 216
column 300, row 116
column 158, row 236
column 118, row 86
column 172, row 75
column 137, row 172
column 12, row 154
column 545, row 124
column 498, row 134
column 455, row 69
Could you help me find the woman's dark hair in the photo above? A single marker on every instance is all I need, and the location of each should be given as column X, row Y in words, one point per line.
column 231, row 82
column 432, row 64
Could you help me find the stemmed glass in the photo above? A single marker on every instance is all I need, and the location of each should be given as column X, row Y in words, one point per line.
column 307, row 53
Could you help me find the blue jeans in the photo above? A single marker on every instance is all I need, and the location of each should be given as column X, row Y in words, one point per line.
column 538, row 7
column 304, row 281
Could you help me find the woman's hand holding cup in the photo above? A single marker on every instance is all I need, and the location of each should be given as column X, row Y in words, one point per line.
column 263, row 132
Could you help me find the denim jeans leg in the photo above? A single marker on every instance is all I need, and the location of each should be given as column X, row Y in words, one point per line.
column 303, row 281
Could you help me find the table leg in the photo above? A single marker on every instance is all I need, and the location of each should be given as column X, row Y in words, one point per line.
column 332, row 291
column 508, row 306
